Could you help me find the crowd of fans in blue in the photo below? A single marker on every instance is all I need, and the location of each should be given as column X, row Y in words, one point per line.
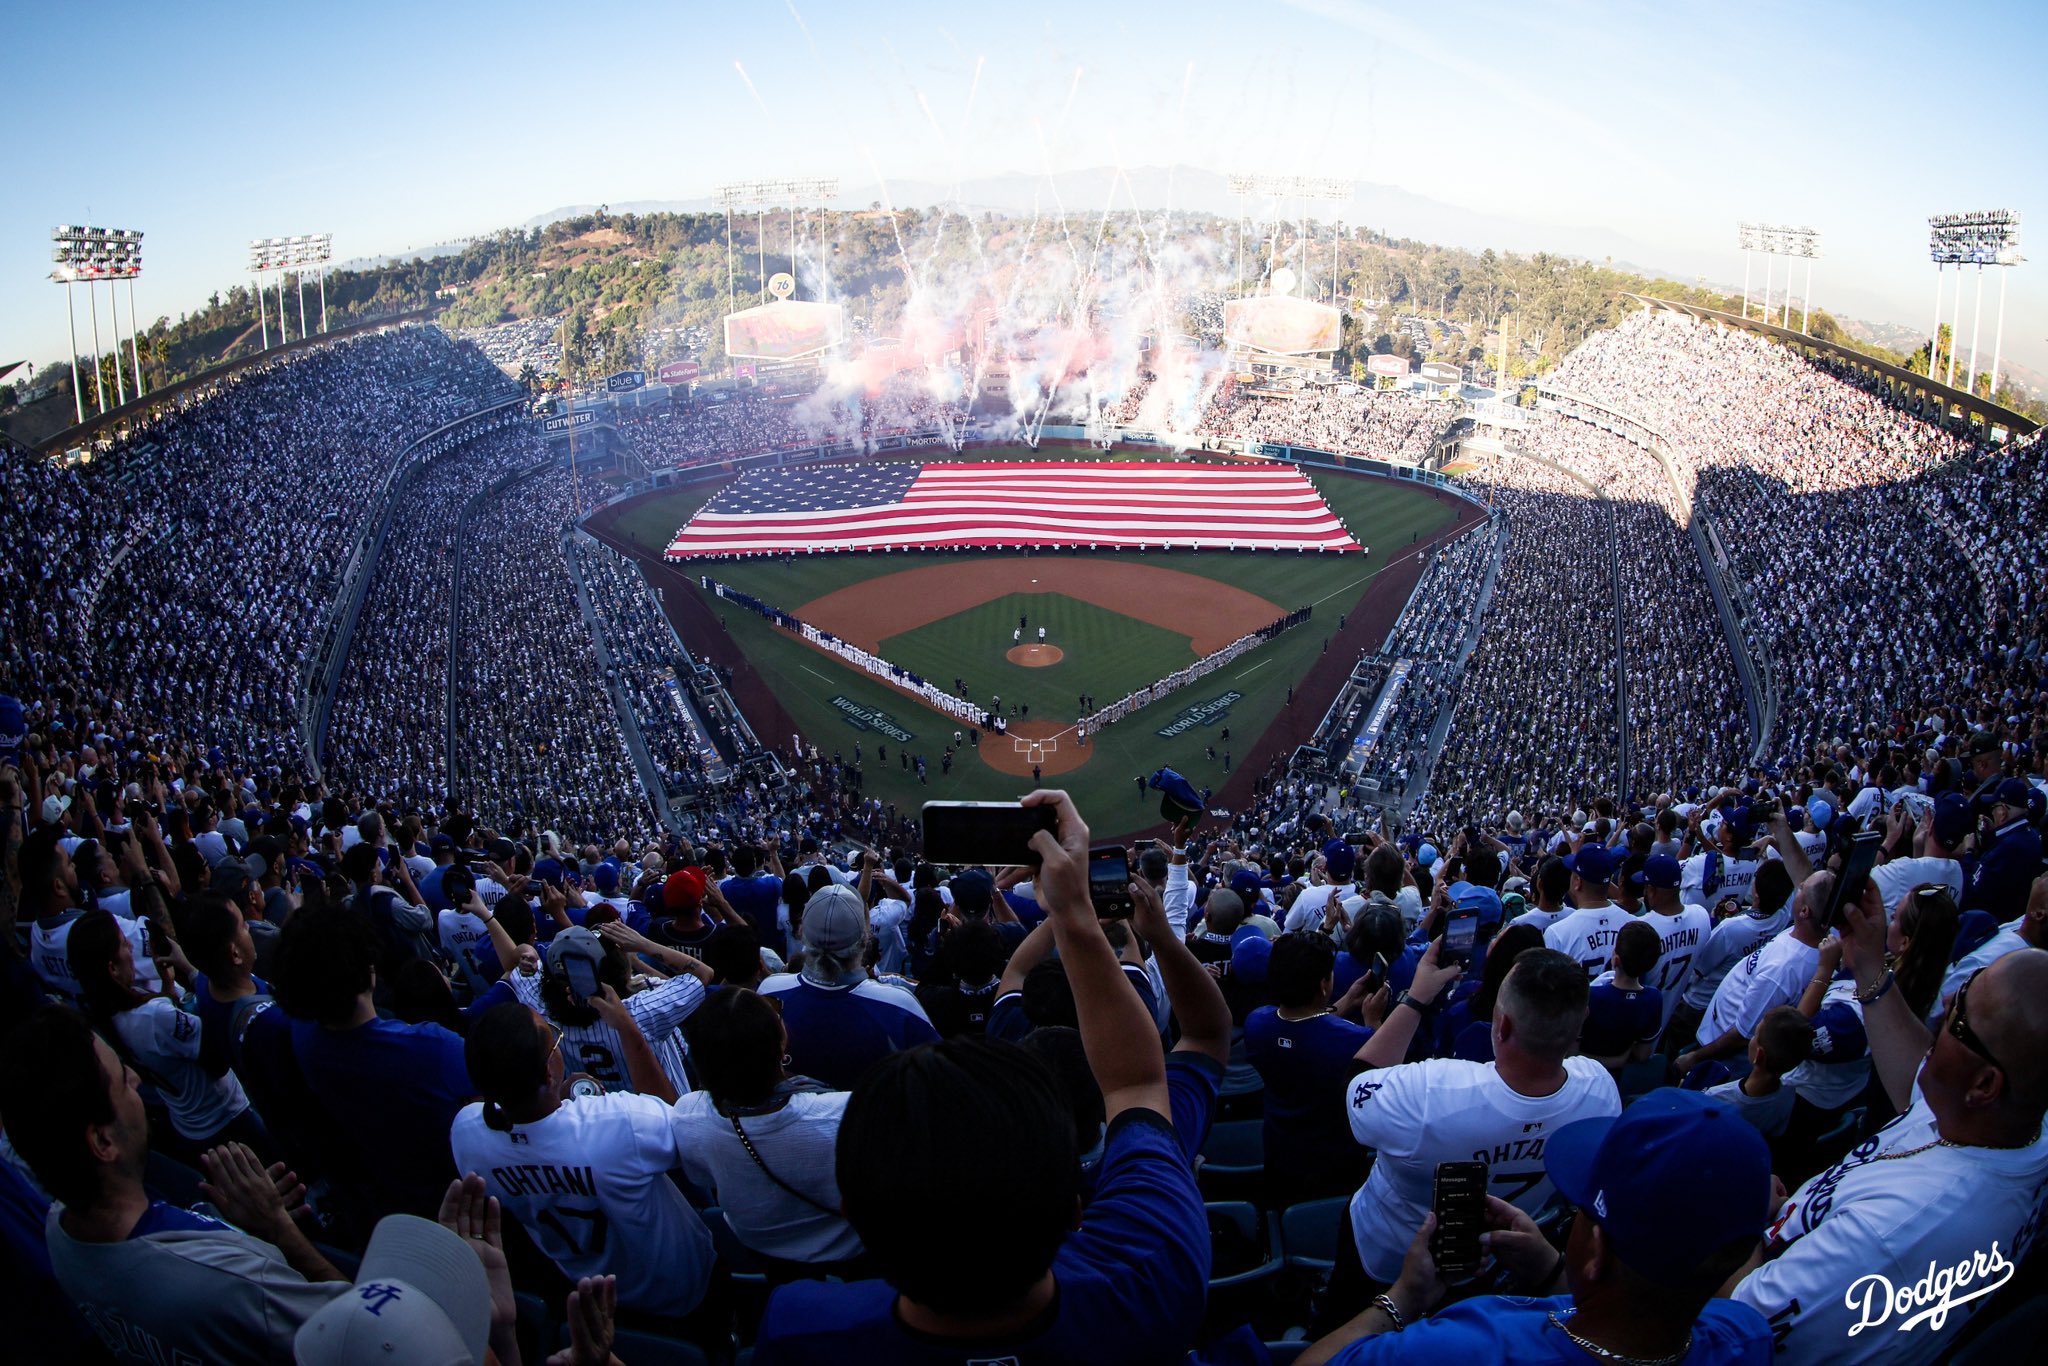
column 471, row 1060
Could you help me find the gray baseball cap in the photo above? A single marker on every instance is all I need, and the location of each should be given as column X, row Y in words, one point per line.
column 834, row 920
column 420, row 1298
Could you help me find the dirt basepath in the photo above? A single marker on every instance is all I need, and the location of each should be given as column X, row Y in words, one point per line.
column 1210, row 613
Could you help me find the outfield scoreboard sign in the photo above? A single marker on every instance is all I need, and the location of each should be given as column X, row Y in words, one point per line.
column 625, row 382
column 872, row 718
column 678, row 372
column 565, row 422
column 1200, row 714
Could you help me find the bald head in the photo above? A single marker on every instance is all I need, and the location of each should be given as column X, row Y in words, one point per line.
column 2009, row 1012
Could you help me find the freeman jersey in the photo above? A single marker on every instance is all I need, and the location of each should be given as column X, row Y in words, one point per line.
column 596, row 1048
column 1447, row 1110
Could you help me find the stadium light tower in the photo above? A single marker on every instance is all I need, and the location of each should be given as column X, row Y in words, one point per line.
column 1980, row 238
column 1265, row 185
column 89, row 255
column 1795, row 244
column 760, row 194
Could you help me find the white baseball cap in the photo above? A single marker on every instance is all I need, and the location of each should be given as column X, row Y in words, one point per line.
column 420, row 1298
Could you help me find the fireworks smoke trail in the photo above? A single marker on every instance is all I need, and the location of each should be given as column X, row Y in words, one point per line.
column 750, row 86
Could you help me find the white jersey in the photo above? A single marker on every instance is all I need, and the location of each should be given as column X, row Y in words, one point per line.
column 164, row 1040
column 1774, row 975
column 49, row 954
column 595, row 1048
column 1901, row 1217
column 1728, row 943
column 1540, row 918
column 1839, row 1069
column 1587, row 935
column 1728, row 876
column 590, row 1183
column 1313, row 904
column 1684, row 933
column 1448, row 1110
column 460, row 930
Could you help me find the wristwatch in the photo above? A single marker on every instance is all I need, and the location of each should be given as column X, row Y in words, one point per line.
column 1407, row 998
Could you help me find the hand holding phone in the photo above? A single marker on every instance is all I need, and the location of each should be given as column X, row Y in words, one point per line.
column 1460, row 1218
column 1855, row 875
column 1461, row 934
column 991, row 834
column 1109, row 881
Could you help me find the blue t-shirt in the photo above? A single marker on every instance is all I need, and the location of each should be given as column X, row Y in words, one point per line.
column 756, row 898
column 837, row 1032
column 1193, row 1082
column 390, row 1092
column 1131, row 1280
column 1305, row 1065
column 1510, row 1328
column 164, row 1217
column 217, row 1024
column 1618, row 1020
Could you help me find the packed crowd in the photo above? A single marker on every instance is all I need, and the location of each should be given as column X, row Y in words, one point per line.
column 535, row 730
column 1398, row 426
column 293, row 1072
column 381, row 739
column 691, row 747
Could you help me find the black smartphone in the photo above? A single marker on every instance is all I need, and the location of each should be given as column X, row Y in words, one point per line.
column 995, row 834
column 1109, row 881
column 1855, row 875
column 582, row 975
column 1460, row 1217
column 1461, row 932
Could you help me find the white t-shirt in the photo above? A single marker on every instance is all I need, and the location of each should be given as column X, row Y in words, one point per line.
column 165, row 1040
column 1774, row 975
column 887, row 920
column 1902, row 875
column 1683, row 934
column 1448, row 1110
column 1875, row 1223
column 1728, row 943
column 1768, row 1114
column 1313, row 904
column 595, row 1048
column 1839, row 1069
column 1587, row 934
column 2007, row 940
column 590, row 1183
column 797, row 1142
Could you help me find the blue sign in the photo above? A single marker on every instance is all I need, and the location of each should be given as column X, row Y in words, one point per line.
column 625, row 381
column 562, row 422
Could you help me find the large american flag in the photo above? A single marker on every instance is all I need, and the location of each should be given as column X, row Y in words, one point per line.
column 1028, row 503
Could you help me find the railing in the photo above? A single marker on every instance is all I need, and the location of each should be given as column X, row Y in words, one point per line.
column 629, row 723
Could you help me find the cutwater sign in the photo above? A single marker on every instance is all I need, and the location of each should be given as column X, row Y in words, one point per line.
column 868, row 718
column 562, row 422
column 1200, row 714
column 625, row 381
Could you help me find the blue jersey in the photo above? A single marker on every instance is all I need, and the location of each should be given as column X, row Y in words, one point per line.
column 838, row 1032
column 1131, row 1280
column 1509, row 1328
column 1617, row 1020
column 1305, row 1065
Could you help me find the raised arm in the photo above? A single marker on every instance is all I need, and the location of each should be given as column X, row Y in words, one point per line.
column 1898, row 1042
column 1196, row 998
column 1389, row 1043
column 1117, row 1033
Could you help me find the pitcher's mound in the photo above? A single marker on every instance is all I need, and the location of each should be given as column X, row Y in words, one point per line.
column 1035, row 656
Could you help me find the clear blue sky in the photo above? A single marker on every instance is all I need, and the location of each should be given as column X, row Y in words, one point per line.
column 398, row 125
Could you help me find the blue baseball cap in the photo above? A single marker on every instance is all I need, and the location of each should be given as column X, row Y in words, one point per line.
column 1820, row 811
column 548, row 870
column 2013, row 792
column 1952, row 818
column 1593, row 863
column 1250, row 955
column 1485, row 900
column 606, row 878
column 1426, row 855
column 1658, row 870
column 1339, row 859
column 1672, row 1180
column 1248, row 885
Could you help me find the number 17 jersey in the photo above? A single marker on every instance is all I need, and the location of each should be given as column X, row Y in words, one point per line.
column 1448, row 1110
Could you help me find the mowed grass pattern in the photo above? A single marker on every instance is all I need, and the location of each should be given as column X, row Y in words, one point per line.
column 1103, row 651
column 1387, row 517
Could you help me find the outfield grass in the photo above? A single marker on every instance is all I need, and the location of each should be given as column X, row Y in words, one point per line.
column 1386, row 517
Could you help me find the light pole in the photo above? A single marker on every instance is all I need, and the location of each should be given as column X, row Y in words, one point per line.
column 1280, row 188
column 89, row 255
column 761, row 194
column 1987, row 237
column 1794, row 244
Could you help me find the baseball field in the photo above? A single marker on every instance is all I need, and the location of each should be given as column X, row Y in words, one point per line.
column 1112, row 622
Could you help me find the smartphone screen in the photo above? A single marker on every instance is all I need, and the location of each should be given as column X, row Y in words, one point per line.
column 1855, row 875
column 1460, row 1217
column 992, row 834
column 1460, row 934
column 1109, row 880
column 582, row 975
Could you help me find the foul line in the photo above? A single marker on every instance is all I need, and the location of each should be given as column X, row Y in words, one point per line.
column 814, row 673
column 1260, row 665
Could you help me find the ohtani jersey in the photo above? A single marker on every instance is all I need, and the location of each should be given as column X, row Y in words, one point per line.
column 1684, row 935
column 596, row 1048
column 1882, row 1225
column 1448, row 1110
column 49, row 954
column 590, row 1183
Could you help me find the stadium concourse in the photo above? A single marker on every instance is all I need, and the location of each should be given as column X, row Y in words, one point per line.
column 768, row 1079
